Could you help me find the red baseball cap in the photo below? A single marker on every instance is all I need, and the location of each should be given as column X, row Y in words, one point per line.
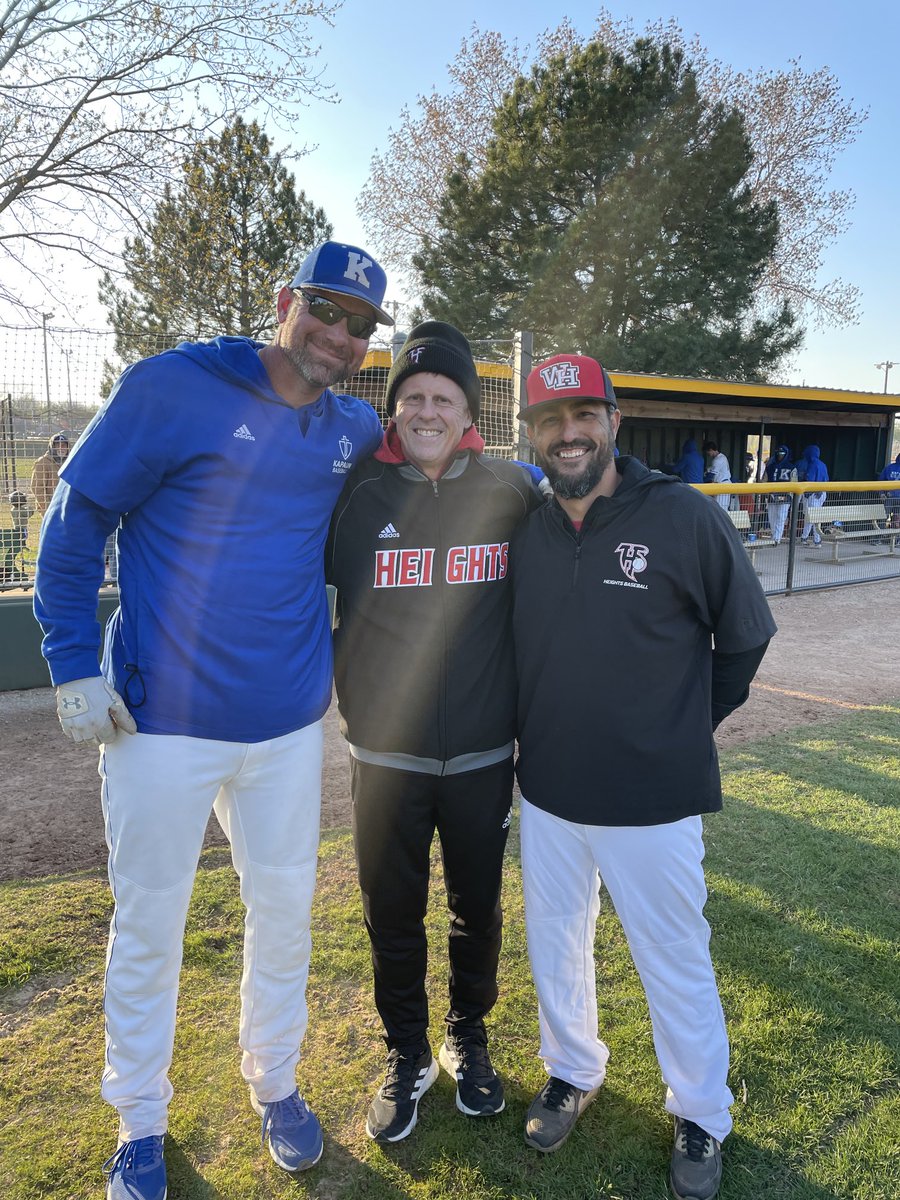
column 567, row 377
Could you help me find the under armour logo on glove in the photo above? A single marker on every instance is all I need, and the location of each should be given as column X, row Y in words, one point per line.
column 89, row 710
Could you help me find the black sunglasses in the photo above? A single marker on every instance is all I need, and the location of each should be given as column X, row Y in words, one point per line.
column 330, row 313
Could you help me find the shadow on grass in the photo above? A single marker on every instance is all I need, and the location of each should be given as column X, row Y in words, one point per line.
column 617, row 1149
column 184, row 1181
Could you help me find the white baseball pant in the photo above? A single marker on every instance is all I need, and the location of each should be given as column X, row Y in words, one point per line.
column 778, row 514
column 157, row 794
column 812, row 500
column 654, row 876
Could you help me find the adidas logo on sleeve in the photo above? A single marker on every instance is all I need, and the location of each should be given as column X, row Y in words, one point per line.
column 244, row 433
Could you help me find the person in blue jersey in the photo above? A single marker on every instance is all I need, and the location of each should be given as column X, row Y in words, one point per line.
column 779, row 469
column 218, row 464
column 891, row 474
column 811, row 469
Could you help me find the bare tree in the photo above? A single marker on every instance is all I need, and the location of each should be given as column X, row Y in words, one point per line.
column 797, row 121
column 99, row 103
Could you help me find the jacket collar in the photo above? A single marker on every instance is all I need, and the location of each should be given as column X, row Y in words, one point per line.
column 391, row 451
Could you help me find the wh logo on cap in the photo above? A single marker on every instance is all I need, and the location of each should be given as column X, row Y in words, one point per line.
column 560, row 375
column 416, row 353
column 356, row 268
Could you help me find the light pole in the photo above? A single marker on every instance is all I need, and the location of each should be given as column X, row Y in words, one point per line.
column 886, row 366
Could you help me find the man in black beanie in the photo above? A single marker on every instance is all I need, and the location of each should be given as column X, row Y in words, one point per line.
column 427, row 697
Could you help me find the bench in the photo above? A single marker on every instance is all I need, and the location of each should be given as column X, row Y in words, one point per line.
column 740, row 519
column 872, row 515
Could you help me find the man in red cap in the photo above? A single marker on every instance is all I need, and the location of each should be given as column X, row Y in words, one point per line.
column 638, row 624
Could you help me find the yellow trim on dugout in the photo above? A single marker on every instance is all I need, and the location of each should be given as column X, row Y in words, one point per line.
column 753, row 391
column 714, row 387
column 764, row 489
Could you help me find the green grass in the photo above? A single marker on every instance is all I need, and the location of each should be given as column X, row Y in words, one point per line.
column 804, row 885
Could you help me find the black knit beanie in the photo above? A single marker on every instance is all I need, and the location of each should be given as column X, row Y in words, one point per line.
column 439, row 349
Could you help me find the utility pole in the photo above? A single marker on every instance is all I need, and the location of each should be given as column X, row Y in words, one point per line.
column 45, row 317
column 66, row 355
column 886, row 366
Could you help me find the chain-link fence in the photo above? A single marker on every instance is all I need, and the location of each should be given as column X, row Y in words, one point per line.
column 53, row 379
column 801, row 536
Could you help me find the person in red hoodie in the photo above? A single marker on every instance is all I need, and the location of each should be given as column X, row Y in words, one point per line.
column 427, row 696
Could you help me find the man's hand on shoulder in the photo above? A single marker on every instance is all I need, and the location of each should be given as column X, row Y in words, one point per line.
column 90, row 710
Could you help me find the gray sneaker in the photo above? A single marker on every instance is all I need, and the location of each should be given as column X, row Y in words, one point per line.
column 696, row 1169
column 553, row 1113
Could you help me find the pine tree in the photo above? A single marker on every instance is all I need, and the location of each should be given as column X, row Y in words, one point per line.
column 612, row 216
column 216, row 249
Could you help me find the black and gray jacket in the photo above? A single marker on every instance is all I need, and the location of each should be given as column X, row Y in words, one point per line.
column 634, row 637
column 424, row 664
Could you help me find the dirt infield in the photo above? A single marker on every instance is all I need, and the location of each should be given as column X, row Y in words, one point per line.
column 833, row 653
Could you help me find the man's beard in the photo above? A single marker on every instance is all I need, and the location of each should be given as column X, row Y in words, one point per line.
column 312, row 370
column 567, row 486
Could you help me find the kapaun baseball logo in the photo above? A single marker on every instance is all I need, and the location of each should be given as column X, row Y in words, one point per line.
column 632, row 559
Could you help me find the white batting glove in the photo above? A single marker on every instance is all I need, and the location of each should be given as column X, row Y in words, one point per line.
column 90, row 710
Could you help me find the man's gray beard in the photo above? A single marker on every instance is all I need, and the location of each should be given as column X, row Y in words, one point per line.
column 313, row 372
column 567, row 487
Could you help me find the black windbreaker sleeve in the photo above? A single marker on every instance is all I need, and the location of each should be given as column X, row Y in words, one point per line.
column 732, row 675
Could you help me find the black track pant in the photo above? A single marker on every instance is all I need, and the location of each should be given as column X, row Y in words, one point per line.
column 395, row 814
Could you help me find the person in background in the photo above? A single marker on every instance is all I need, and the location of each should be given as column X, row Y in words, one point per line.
column 220, row 462
column 811, row 469
column 426, row 688
column 14, row 539
column 891, row 474
column 639, row 624
column 717, row 471
column 748, row 502
column 689, row 467
column 779, row 469
column 45, row 474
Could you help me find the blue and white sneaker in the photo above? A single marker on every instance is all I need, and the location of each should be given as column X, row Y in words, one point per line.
column 136, row 1171
column 295, row 1136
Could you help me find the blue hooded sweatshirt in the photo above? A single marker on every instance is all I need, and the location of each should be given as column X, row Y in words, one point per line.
column 224, row 493
column 810, row 468
column 892, row 471
column 690, row 466
column 780, row 470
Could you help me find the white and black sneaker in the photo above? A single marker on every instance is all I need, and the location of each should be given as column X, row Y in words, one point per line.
column 479, row 1092
column 393, row 1113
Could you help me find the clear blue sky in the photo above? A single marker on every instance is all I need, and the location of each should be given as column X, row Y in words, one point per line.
column 380, row 57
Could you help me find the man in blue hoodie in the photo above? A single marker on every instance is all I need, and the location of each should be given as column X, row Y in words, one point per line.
column 811, row 469
column 690, row 466
column 779, row 469
column 218, row 464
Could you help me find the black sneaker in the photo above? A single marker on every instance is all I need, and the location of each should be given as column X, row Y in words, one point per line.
column 393, row 1113
column 696, row 1169
column 479, row 1092
column 553, row 1113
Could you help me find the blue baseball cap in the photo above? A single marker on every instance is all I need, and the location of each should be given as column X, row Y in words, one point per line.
column 348, row 270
